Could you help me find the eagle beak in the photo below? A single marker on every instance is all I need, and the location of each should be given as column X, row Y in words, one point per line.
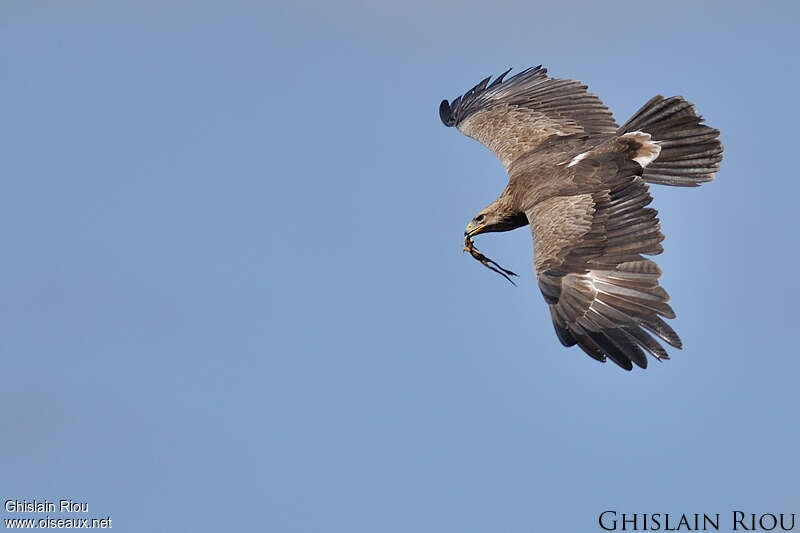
column 473, row 229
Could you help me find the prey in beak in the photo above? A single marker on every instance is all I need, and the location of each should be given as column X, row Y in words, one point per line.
column 473, row 228
column 469, row 246
column 492, row 218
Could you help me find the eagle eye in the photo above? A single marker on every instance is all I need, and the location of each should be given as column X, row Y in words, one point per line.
column 480, row 218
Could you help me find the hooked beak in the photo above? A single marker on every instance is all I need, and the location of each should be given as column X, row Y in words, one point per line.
column 472, row 229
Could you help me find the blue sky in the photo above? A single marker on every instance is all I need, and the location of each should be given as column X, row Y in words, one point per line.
column 234, row 296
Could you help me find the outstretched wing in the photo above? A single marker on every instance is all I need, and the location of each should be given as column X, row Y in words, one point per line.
column 603, row 295
column 514, row 116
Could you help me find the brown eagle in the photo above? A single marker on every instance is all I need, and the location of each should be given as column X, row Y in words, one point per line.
column 581, row 182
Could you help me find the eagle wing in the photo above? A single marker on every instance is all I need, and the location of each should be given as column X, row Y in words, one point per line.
column 603, row 294
column 514, row 116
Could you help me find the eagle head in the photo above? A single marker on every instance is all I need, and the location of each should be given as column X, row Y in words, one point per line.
column 491, row 219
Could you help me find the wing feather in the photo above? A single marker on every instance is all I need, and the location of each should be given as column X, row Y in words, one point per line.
column 603, row 295
column 514, row 116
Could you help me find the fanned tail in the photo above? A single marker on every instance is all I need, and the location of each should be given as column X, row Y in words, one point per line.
column 690, row 150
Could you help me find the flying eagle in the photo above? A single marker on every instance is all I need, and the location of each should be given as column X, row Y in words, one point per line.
column 581, row 182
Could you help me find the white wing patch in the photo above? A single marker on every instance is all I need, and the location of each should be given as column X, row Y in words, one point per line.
column 577, row 158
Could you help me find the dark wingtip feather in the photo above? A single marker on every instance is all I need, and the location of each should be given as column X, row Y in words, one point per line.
column 499, row 79
column 564, row 336
column 446, row 114
column 460, row 108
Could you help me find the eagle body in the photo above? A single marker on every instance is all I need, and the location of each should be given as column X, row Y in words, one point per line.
column 581, row 182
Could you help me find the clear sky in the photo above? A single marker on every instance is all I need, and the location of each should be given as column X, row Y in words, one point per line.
column 234, row 297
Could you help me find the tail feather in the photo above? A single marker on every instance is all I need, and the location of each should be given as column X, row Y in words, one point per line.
column 690, row 150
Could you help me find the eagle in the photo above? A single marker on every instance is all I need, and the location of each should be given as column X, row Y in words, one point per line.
column 581, row 182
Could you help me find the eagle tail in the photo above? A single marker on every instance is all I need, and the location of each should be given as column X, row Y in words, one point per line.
column 690, row 150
